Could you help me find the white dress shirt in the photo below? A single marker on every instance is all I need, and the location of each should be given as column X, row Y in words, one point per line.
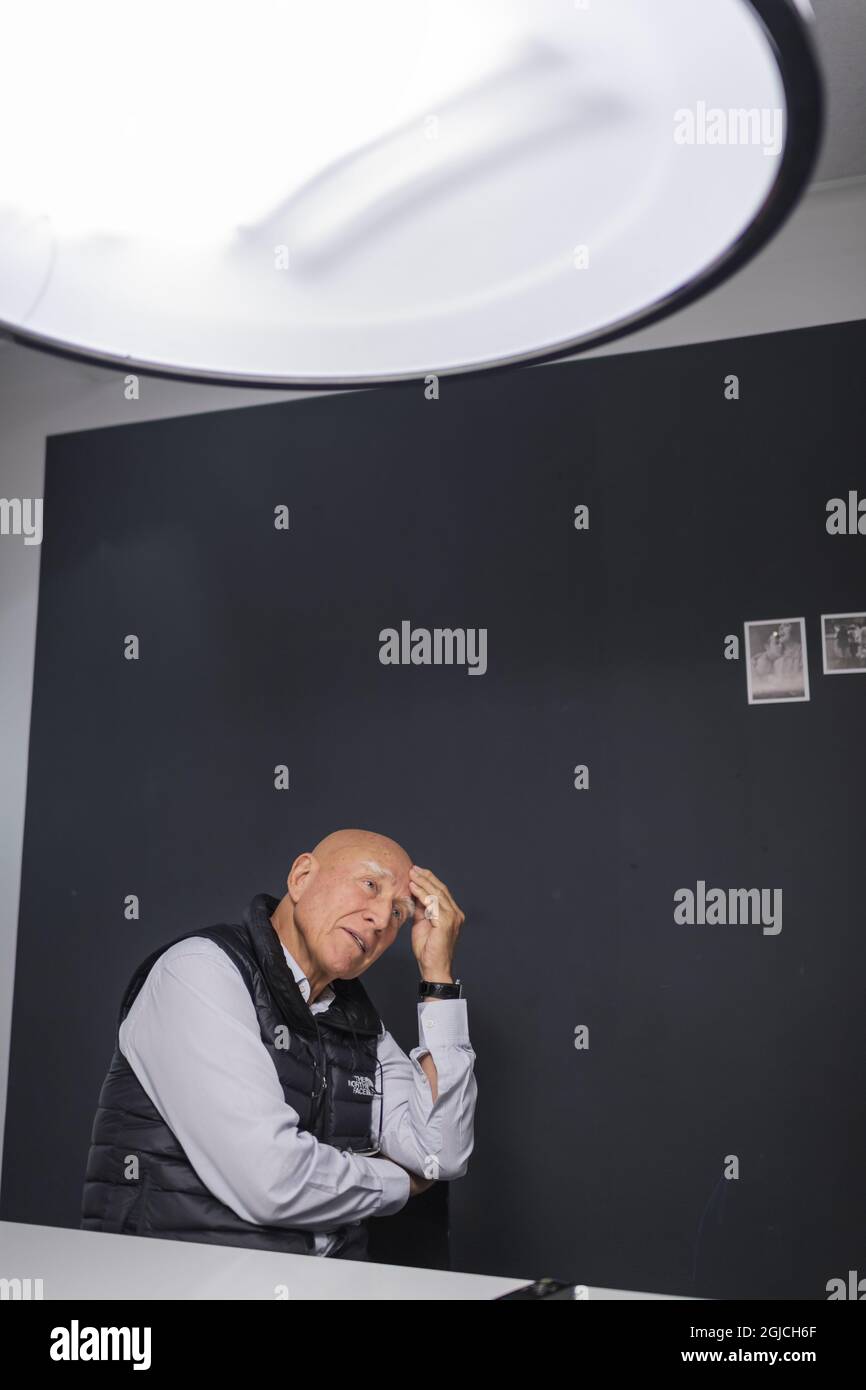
column 192, row 1038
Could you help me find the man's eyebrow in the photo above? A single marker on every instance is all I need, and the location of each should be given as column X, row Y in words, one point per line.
column 386, row 873
column 377, row 868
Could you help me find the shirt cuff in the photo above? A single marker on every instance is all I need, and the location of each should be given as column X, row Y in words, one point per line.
column 395, row 1185
column 443, row 1021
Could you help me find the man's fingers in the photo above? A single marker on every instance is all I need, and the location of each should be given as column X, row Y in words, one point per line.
column 426, row 875
column 428, row 905
column 430, row 896
column 429, row 883
column 425, row 878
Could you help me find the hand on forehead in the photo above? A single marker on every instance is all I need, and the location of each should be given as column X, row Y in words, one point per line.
column 345, row 848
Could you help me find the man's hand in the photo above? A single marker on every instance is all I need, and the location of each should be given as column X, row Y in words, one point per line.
column 417, row 1184
column 435, row 926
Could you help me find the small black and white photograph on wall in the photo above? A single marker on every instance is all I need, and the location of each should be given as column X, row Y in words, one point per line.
column 843, row 642
column 777, row 666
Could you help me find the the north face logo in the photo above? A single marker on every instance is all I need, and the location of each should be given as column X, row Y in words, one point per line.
column 362, row 1085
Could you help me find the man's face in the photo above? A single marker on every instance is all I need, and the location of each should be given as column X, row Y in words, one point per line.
column 351, row 907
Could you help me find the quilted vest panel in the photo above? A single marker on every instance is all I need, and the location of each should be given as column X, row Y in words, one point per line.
column 326, row 1065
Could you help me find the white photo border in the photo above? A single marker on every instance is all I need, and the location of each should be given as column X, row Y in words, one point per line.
column 852, row 670
column 778, row 699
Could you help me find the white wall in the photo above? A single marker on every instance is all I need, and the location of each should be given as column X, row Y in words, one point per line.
column 814, row 272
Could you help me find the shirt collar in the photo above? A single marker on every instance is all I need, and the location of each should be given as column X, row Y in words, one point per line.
column 327, row 995
column 259, row 913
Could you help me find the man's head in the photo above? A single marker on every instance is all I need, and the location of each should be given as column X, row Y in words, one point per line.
column 345, row 904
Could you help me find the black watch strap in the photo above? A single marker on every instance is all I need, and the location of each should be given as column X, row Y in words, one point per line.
column 432, row 989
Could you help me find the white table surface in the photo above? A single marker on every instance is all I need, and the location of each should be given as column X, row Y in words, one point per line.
column 75, row 1264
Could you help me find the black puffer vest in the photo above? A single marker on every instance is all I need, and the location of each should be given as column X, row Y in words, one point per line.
column 326, row 1064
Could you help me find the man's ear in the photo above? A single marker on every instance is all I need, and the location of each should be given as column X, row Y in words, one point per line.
column 301, row 875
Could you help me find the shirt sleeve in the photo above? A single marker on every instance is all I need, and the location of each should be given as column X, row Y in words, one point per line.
column 192, row 1038
column 433, row 1138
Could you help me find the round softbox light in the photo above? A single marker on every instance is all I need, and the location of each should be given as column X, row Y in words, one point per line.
column 336, row 193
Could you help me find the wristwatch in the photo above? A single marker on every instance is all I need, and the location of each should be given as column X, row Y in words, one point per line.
column 433, row 989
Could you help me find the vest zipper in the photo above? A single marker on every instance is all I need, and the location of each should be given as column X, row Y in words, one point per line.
column 320, row 1098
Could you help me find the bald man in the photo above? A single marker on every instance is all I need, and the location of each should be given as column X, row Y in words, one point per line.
column 255, row 1097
